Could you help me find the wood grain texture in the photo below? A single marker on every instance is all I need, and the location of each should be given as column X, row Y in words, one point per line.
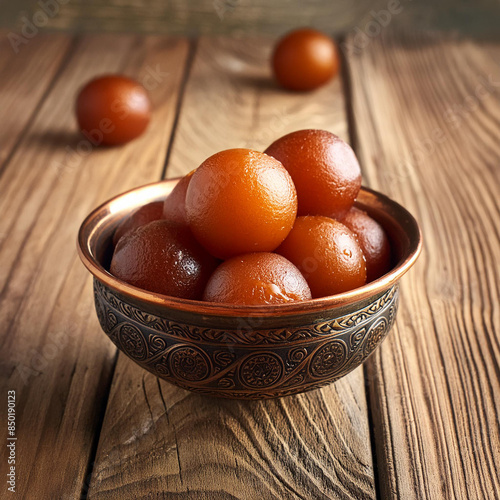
column 25, row 76
column 174, row 444
column 53, row 352
column 162, row 441
column 427, row 115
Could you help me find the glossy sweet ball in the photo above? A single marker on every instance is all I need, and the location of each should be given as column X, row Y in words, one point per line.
column 327, row 253
column 324, row 169
column 305, row 59
column 163, row 257
column 174, row 208
column 113, row 110
column 240, row 201
column 141, row 217
column 373, row 241
column 256, row 279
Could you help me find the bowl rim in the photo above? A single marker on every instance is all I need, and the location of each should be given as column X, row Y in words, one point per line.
column 89, row 227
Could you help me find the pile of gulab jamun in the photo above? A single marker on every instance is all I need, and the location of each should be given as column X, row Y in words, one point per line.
column 254, row 228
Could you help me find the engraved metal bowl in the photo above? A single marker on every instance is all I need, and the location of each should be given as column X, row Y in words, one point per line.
column 245, row 352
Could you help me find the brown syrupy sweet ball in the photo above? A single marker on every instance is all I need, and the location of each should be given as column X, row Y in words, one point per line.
column 324, row 169
column 373, row 241
column 113, row 109
column 256, row 279
column 163, row 257
column 174, row 208
column 305, row 59
column 142, row 216
column 240, row 201
column 327, row 253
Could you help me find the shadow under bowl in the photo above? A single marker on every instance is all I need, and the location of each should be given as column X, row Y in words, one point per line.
column 245, row 352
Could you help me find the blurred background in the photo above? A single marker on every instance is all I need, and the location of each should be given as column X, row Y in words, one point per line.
column 192, row 17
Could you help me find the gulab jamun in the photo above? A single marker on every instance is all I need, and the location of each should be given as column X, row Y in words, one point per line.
column 257, row 278
column 324, row 169
column 163, row 257
column 240, row 201
column 142, row 216
column 373, row 241
column 305, row 59
column 174, row 208
column 112, row 110
column 327, row 253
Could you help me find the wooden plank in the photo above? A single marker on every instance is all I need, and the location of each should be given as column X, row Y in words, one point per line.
column 26, row 72
column 427, row 119
column 53, row 353
column 162, row 440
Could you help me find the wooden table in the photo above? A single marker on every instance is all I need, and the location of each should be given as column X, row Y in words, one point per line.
column 419, row 420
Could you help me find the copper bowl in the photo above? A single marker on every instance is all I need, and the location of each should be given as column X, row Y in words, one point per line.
column 246, row 352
